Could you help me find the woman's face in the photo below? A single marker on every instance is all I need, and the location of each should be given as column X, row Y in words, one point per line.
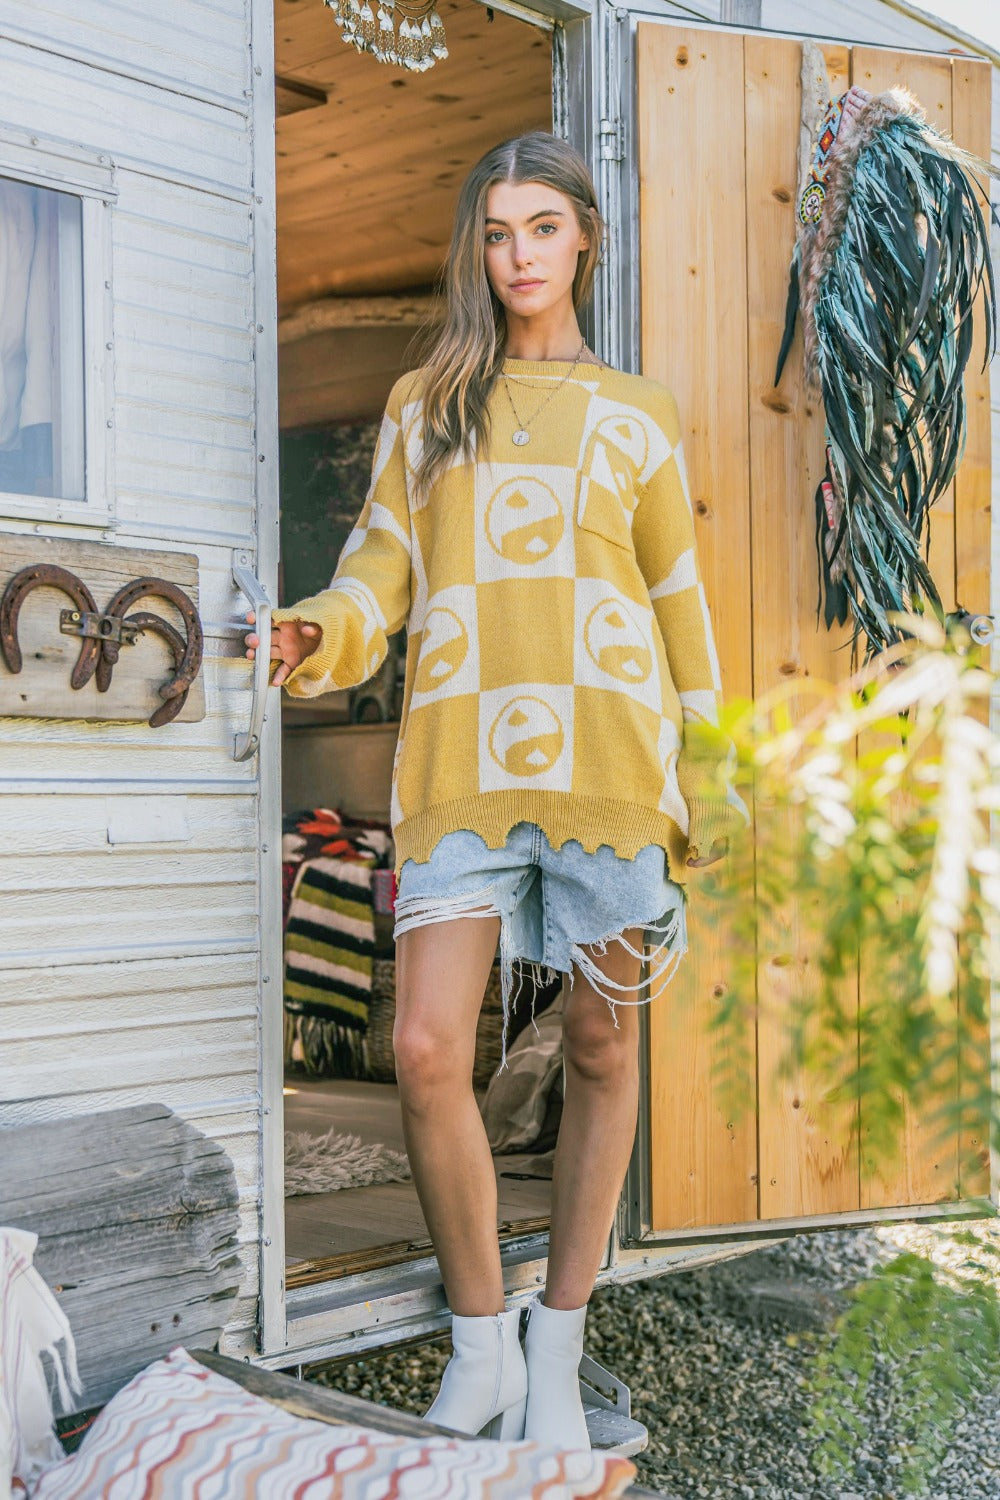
column 533, row 239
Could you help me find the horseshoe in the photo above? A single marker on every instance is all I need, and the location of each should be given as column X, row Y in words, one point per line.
column 187, row 667
column 175, row 696
column 45, row 575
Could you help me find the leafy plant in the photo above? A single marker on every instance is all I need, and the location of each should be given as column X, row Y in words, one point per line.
column 872, row 940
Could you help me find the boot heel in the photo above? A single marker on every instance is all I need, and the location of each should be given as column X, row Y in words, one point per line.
column 509, row 1423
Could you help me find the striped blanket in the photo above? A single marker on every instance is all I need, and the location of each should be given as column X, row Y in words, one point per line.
column 329, row 947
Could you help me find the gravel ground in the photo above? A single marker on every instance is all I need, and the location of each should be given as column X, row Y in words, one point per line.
column 717, row 1361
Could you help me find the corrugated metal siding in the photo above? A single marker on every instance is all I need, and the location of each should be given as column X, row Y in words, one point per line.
column 187, row 44
column 130, row 973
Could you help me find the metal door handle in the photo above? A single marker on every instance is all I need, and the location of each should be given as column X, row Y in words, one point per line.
column 246, row 580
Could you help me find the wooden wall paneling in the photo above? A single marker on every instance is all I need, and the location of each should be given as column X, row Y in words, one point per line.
column 367, row 183
column 971, row 81
column 693, row 309
column 808, row 1161
column 341, row 375
column 971, row 111
column 923, row 1166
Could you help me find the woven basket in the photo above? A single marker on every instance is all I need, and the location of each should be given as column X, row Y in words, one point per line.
column 382, row 1015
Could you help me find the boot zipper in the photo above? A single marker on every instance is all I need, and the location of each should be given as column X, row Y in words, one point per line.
column 499, row 1376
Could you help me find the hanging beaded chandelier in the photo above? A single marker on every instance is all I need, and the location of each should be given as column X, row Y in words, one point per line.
column 409, row 33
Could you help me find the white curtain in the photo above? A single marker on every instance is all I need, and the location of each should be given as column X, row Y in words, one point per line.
column 41, row 341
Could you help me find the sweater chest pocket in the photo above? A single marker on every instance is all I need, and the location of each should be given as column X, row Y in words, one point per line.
column 604, row 514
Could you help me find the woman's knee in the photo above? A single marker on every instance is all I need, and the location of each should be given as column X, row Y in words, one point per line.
column 441, row 973
column 594, row 1048
column 427, row 1060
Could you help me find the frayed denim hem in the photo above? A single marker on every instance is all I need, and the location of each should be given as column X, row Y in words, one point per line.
column 663, row 958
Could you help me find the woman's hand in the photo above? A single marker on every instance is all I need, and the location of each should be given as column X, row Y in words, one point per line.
column 718, row 850
column 291, row 642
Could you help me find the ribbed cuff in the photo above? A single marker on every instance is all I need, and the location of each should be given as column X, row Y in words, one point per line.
column 316, row 674
column 713, row 819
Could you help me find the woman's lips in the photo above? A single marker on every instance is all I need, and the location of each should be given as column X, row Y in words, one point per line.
column 525, row 286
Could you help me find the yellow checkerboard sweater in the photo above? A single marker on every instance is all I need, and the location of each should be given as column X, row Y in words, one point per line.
column 558, row 638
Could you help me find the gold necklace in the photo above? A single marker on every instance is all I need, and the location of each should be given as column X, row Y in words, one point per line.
column 521, row 434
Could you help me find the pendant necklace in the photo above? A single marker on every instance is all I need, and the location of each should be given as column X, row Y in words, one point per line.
column 521, row 434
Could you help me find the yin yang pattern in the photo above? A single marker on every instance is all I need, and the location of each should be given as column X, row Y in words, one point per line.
column 526, row 519
column 526, row 737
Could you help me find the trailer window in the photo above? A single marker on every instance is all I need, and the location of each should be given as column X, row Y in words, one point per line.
column 41, row 342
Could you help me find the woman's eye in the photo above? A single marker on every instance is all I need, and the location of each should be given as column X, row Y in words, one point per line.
column 548, row 226
column 490, row 237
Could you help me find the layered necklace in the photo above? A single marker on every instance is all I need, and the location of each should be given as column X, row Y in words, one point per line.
column 521, row 433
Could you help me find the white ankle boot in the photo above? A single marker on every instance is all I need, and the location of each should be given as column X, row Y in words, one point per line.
column 485, row 1383
column 553, row 1348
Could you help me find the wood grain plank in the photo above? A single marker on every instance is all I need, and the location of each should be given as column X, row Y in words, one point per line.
column 366, row 185
column 136, row 1214
column 922, row 1167
column 971, row 127
column 693, row 310
column 41, row 690
column 808, row 1162
column 972, row 84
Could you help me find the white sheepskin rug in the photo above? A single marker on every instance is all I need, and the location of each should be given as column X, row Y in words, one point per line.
column 327, row 1163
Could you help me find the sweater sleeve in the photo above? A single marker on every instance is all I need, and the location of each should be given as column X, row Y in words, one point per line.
column 664, row 539
column 369, row 595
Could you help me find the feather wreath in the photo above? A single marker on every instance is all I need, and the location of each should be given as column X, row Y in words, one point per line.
column 891, row 255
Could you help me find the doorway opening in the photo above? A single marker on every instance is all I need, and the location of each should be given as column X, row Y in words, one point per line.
column 370, row 157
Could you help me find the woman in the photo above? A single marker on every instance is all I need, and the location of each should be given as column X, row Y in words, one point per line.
column 528, row 521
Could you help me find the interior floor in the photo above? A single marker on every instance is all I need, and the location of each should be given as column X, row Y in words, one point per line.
column 322, row 1225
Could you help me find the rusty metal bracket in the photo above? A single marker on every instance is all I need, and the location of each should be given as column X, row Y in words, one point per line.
column 100, row 627
column 38, row 576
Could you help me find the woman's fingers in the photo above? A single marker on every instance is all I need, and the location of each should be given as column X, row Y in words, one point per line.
column 286, row 641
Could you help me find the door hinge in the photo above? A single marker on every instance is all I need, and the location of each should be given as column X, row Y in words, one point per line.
column 612, row 139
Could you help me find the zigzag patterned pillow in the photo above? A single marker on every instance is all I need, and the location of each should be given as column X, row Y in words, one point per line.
column 181, row 1431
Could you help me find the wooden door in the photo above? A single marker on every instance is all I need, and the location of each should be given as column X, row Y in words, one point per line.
column 717, row 140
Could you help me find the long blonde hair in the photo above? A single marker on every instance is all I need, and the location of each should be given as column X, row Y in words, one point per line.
column 463, row 362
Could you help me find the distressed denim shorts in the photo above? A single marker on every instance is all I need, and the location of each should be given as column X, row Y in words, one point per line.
column 552, row 905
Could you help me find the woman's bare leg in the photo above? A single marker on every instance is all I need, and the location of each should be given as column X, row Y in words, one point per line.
column 441, row 974
column 597, row 1127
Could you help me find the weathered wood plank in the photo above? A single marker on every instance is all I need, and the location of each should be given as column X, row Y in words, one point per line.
column 694, row 331
column 807, row 1161
column 136, row 1214
column 41, row 690
column 972, row 82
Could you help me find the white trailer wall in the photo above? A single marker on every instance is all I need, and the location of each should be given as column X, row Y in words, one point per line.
column 130, row 973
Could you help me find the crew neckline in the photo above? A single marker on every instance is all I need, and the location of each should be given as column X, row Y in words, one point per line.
column 547, row 366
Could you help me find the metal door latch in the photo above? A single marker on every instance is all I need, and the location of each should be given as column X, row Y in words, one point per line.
column 982, row 628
